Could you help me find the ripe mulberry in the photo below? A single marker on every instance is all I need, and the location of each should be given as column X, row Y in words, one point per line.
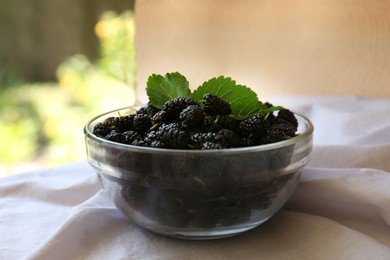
column 227, row 138
column 131, row 136
column 101, row 130
column 211, row 145
column 255, row 125
column 119, row 124
column 274, row 134
column 209, row 124
column 197, row 139
column 159, row 117
column 285, row 126
column 139, row 142
column 228, row 123
column 214, row 105
column 110, row 122
column 152, row 140
column 124, row 123
column 141, row 123
column 174, row 106
column 191, row 116
column 116, row 137
column 289, row 117
column 173, row 136
column 148, row 109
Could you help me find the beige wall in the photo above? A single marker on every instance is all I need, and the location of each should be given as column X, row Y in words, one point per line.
column 278, row 47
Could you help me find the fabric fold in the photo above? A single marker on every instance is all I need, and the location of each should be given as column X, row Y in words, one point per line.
column 356, row 198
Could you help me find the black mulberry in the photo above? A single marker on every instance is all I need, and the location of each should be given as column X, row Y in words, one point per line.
column 174, row 106
column 101, row 130
column 124, row 123
column 173, row 136
column 191, row 116
column 289, row 117
column 211, row 145
column 285, row 126
column 228, row 123
column 157, row 144
column 139, row 142
column 214, row 105
column 209, row 124
column 152, row 140
column 131, row 136
column 115, row 137
column 148, row 109
column 227, row 138
column 159, row 117
column 255, row 125
column 274, row 134
column 197, row 139
column 119, row 124
column 141, row 123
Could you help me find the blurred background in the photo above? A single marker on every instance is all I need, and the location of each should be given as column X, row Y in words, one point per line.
column 276, row 47
column 61, row 62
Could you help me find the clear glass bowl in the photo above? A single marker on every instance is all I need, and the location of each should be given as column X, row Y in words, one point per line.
column 198, row 194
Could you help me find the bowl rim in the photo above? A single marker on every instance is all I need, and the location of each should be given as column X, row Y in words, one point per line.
column 264, row 147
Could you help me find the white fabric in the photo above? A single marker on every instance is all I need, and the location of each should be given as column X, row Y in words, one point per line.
column 340, row 209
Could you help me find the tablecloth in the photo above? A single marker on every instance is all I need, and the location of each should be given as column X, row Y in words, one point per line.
column 340, row 209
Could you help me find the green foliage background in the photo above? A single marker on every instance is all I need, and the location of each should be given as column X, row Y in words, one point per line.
column 42, row 123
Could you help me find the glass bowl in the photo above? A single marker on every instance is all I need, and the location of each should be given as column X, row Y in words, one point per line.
column 198, row 194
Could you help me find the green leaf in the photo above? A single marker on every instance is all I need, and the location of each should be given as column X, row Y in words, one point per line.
column 243, row 101
column 268, row 110
column 160, row 88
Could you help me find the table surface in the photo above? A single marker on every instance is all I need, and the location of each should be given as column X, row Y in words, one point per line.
column 340, row 209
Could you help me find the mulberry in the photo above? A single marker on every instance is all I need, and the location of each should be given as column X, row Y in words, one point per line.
column 119, row 124
column 211, row 145
column 174, row 106
column 139, row 142
column 285, row 126
column 131, row 136
column 124, row 123
column 115, row 137
column 274, row 134
column 255, row 125
column 197, row 139
column 157, row 144
column 101, row 130
column 148, row 109
column 214, row 105
column 227, row 138
column 159, row 117
column 173, row 136
column 141, row 123
column 110, row 122
column 209, row 124
column 289, row 117
column 228, row 123
column 191, row 116
column 152, row 140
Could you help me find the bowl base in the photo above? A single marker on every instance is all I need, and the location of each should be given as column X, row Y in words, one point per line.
column 206, row 234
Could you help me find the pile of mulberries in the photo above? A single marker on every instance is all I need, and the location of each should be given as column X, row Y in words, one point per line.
column 183, row 123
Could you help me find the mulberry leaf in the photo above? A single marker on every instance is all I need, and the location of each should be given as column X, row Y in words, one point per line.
column 243, row 101
column 160, row 88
